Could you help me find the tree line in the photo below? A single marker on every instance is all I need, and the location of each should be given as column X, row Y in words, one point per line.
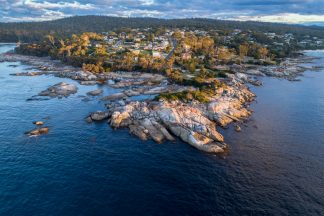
column 35, row 31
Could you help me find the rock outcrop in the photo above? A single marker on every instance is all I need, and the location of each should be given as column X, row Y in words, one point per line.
column 115, row 96
column 89, row 83
column 38, row 131
column 97, row 116
column 95, row 92
column 193, row 122
column 29, row 74
column 59, row 90
column 38, row 123
column 158, row 120
column 84, row 76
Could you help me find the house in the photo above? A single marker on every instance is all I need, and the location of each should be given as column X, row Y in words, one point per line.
column 122, row 35
column 186, row 47
column 95, row 44
column 186, row 56
column 130, row 43
column 278, row 44
column 111, row 41
column 271, row 35
column 201, row 57
column 137, row 45
column 156, row 54
column 105, row 38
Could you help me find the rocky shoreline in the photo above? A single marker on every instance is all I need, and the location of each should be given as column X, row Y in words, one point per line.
column 193, row 122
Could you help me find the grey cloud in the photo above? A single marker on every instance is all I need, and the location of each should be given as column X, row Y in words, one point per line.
column 12, row 10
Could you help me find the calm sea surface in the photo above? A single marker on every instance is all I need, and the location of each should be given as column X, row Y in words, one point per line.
column 275, row 165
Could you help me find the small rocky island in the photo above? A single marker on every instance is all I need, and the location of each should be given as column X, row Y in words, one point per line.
column 189, row 92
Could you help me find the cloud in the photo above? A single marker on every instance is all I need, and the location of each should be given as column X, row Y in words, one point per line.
column 291, row 18
column 34, row 10
column 47, row 15
column 53, row 5
column 147, row 2
column 289, row 11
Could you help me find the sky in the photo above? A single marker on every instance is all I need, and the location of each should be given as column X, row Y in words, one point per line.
column 282, row 11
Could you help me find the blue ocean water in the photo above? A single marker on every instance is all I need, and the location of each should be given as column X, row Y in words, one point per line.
column 275, row 165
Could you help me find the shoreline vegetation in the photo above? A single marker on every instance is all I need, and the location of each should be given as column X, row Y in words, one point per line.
column 199, row 79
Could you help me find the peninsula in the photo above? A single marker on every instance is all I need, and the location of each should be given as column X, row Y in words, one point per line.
column 198, row 79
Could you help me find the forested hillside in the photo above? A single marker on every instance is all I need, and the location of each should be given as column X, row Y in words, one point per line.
column 34, row 31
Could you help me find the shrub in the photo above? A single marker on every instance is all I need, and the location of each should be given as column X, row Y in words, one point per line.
column 186, row 96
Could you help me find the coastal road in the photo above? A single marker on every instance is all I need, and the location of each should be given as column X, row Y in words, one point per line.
column 174, row 44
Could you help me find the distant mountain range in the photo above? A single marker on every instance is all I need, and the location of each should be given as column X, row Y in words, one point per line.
column 34, row 31
column 316, row 24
